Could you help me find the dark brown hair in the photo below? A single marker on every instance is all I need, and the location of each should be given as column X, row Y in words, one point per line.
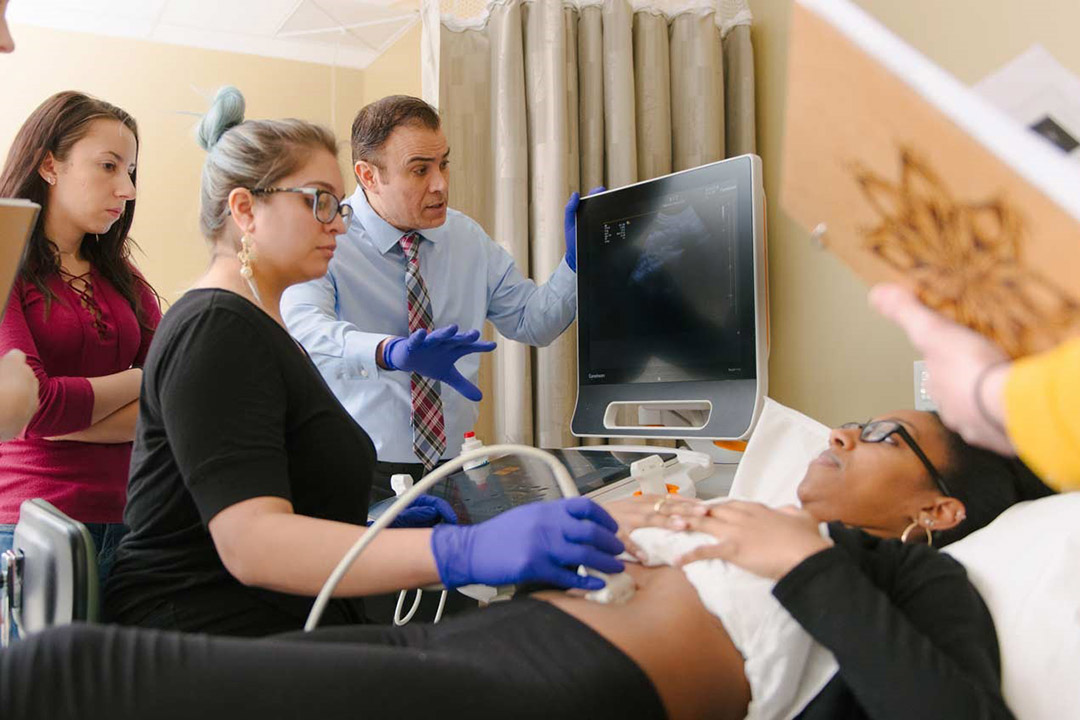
column 988, row 484
column 54, row 127
column 375, row 122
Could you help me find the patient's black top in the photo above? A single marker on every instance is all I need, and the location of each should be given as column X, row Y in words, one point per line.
column 231, row 409
column 911, row 635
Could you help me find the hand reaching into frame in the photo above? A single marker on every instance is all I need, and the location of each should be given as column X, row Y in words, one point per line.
column 18, row 394
column 967, row 371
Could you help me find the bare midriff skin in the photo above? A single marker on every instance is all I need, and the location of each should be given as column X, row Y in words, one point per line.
column 668, row 633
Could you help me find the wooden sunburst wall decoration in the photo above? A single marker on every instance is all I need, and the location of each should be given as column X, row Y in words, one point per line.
column 964, row 258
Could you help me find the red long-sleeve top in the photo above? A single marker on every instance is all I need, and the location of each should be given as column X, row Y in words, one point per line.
column 83, row 335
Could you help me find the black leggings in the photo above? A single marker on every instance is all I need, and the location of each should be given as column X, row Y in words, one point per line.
column 523, row 659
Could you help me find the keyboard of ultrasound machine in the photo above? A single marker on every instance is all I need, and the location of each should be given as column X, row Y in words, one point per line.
column 480, row 494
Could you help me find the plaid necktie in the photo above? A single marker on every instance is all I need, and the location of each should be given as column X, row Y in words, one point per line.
column 429, row 431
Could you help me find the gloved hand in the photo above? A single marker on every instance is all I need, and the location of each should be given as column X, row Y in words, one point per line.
column 570, row 226
column 542, row 542
column 434, row 356
column 425, row 511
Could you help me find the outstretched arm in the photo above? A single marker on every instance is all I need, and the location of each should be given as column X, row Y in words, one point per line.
column 520, row 309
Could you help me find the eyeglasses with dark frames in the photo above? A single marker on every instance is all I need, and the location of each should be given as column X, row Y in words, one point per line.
column 880, row 430
column 325, row 205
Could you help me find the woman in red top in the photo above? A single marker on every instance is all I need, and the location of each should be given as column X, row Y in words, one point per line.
column 81, row 313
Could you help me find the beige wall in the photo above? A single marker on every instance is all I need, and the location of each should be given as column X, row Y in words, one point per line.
column 157, row 83
column 832, row 357
column 397, row 71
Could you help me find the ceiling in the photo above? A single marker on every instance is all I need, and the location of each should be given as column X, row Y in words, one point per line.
column 347, row 33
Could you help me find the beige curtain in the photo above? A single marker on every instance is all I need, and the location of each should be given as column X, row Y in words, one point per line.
column 541, row 98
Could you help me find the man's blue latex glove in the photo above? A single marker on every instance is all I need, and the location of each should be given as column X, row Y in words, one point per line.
column 570, row 226
column 425, row 511
column 434, row 356
column 539, row 542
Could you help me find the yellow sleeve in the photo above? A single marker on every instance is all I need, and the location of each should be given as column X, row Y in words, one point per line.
column 1042, row 414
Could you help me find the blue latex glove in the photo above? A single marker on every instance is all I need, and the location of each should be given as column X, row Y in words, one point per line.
column 539, row 542
column 425, row 511
column 434, row 356
column 570, row 226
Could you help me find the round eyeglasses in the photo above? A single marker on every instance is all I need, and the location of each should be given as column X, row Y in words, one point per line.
column 879, row 430
column 325, row 205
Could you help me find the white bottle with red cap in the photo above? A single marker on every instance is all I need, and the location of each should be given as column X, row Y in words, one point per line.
column 473, row 443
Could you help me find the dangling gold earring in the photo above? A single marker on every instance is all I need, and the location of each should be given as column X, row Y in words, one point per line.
column 926, row 524
column 246, row 256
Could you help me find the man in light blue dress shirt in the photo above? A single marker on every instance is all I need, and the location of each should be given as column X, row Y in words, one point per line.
column 346, row 319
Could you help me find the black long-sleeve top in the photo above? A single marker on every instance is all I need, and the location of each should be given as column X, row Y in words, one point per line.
column 231, row 409
column 911, row 635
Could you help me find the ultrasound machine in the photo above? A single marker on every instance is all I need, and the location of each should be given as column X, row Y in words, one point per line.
column 672, row 342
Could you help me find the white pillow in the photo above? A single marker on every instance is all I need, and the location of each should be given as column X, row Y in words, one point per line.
column 1026, row 566
column 782, row 445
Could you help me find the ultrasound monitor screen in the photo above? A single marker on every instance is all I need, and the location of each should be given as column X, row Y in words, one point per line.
column 666, row 281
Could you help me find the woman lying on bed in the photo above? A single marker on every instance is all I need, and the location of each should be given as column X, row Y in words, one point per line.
column 907, row 634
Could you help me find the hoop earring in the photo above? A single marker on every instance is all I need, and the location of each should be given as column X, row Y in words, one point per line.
column 246, row 255
column 904, row 536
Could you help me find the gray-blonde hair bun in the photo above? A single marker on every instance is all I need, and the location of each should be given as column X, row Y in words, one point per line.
column 227, row 111
column 253, row 154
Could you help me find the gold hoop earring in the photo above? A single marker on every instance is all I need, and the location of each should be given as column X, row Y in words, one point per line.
column 246, row 255
column 904, row 536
